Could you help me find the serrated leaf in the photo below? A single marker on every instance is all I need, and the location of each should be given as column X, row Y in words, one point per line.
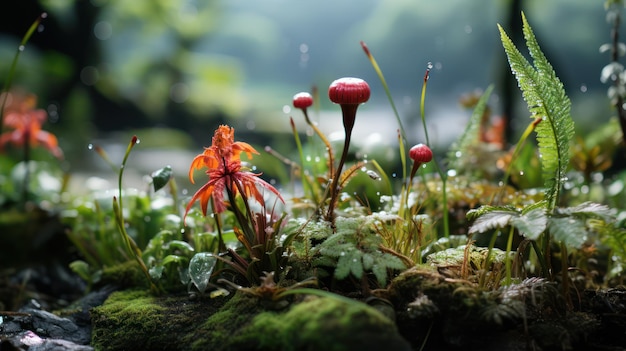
column 471, row 135
column 548, row 105
column 200, row 269
column 492, row 220
column 161, row 177
column 532, row 223
column 380, row 272
column 343, row 268
column 571, row 231
column 368, row 261
column 587, row 209
column 356, row 264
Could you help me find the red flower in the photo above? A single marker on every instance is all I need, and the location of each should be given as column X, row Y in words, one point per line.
column 223, row 163
column 26, row 122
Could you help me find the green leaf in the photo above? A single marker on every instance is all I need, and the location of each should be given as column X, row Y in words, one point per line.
column 548, row 105
column 200, row 269
column 471, row 135
column 569, row 230
column 587, row 209
column 532, row 223
column 491, row 217
column 161, row 177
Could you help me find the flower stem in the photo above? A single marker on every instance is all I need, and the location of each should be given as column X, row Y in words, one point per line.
column 350, row 112
column 442, row 175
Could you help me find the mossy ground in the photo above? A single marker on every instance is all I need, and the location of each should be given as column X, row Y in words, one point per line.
column 135, row 320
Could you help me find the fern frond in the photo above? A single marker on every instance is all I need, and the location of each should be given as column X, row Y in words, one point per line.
column 471, row 135
column 529, row 223
column 547, row 101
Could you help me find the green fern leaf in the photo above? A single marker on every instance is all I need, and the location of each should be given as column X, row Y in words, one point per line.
column 548, row 105
column 571, row 231
column 529, row 223
column 471, row 134
column 587, row 209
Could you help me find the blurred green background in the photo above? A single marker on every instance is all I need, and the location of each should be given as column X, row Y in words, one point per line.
column 177, row 68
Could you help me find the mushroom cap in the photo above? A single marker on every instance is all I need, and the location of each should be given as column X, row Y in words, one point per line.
column 421, row 153
column 349, row 90
column 302, row 100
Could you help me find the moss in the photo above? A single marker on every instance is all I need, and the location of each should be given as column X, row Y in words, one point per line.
column 125, row 275
column 322, row 323
column 137, row 320
column 216, row 332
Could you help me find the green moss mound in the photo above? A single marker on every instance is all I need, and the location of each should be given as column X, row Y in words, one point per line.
column 136, row 320
column 322, row 324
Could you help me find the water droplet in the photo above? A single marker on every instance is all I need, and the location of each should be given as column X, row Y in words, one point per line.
column 458, row 154
column 21, row 48
column 90, row 146
column 138, row 141
column 521, row 173
column 342, row 253
column 430, row 65
column 373, row 175
column 393, row 175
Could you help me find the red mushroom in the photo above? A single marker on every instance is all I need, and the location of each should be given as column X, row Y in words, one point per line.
column 349, row 93
column 302, row 100
column 420, row 154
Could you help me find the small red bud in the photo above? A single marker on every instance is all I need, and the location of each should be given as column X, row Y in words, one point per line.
column 421, row 153
column 302, row 100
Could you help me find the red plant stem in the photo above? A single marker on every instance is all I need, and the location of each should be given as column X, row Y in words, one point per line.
column 349, row 114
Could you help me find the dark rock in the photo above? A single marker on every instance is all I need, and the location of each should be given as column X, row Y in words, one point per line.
column 49, row 325
column 30, row 341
